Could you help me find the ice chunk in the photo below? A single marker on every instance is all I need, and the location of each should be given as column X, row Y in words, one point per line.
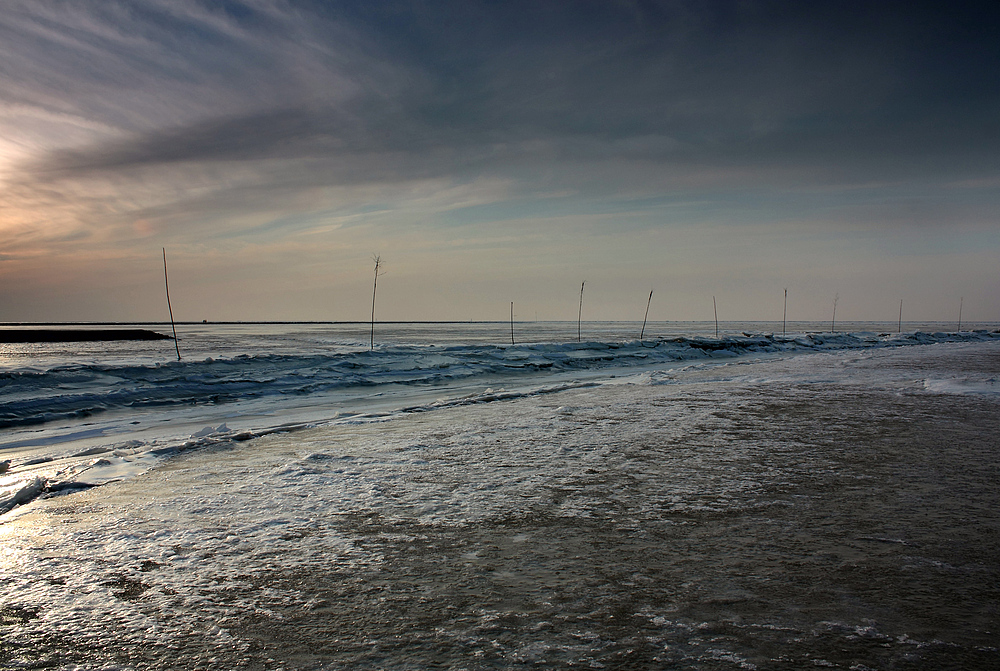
column 20, row 492
column 209, row 431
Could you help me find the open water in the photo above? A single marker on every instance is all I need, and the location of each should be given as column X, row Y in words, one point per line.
column 287, row 498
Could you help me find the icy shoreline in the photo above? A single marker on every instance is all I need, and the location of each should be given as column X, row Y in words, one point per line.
column 119, row 421
column 756, row 514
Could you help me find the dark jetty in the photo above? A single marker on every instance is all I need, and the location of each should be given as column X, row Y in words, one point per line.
column 77, row 335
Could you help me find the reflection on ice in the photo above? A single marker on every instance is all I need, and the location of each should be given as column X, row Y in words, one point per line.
column 963, row 385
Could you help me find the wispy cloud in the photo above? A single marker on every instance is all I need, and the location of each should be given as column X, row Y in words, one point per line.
column 222, row 123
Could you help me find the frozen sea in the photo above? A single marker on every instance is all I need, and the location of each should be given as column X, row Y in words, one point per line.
column 285, row 497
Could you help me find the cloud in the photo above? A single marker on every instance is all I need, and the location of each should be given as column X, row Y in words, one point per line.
column 130, row 122
column 667, row 82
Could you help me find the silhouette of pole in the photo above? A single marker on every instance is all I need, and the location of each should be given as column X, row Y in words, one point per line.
column 960, row 301
column 378, row 262
column 646, row 315
column 166, row 285
column 900, row 328
column 833, row 323
column 512, row 322
column 716, row 309
column 579, row 317
column 784, row 312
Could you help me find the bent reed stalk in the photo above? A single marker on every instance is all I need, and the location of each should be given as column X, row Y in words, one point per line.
column 650, row 300
column 378, row 262
column 715, row 308
column 166, row 285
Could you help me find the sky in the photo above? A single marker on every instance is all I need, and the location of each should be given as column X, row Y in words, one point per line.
column 497, row 152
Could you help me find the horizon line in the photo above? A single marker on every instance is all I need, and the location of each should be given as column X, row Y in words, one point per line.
column 470, row 321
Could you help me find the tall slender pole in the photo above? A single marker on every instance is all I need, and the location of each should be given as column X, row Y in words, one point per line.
column 646, row 315
column 784, row 313
column 166, row 285
column 900, row 328
column 512, row 322
column 579, row 317
column 716, row 309
column 960, row 301
column 833, row 324
column 378, row 262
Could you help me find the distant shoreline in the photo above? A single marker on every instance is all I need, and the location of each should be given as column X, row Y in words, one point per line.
column 34, row 335
column 231, row 323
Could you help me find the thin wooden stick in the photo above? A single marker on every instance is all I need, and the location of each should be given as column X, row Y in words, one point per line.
column 378, row 262
column 960, row 302
column 833, row 324
column 579, row 317
column 716, row 308
column 900, row 327
column 166, row 285
column 650, row 300
column 784, row 312
column 512, row 322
